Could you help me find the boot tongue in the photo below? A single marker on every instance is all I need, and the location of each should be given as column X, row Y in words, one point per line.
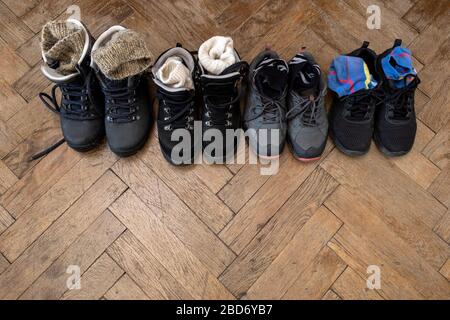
column 304, row 77
column 271, row 77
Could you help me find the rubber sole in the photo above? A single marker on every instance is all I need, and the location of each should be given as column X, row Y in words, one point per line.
column 88, row 147
column 344, row 150
column 302, row 158
column 385, row 151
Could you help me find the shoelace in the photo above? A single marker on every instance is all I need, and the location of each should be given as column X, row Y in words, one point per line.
column 360, row 104
column 120, row 104
column 180, row 111
column 219, row 114
column 306, row 108
column 400, row 103
column 272, row 110
column 75, row 98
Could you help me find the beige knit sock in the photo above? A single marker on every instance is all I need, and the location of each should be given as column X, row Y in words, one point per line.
column 63, row 41
column 123, row 56
column 174, row 74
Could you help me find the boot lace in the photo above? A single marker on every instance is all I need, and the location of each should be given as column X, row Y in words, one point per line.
column 179, row 112
column 120, row 104
column 306, row 108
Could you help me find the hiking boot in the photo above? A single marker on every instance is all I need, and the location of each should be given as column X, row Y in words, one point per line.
column 307, row 117
column 395, row 119
column 174, row 76
column 221, row 109
column 119, row 58
column 265, row 114
column 354, row 82
column 66, row 48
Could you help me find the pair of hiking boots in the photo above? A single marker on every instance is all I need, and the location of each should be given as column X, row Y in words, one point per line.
column 93, row 105
column 384, row 110
column 214, row 99
column 286, row 102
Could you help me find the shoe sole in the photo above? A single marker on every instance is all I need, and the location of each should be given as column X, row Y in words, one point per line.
column 303, row 158
column 344, row 150
column 385, row 151
column 129, row 153
column 87, row 147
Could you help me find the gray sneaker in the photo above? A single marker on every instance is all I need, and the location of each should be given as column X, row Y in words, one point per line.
column 307, row 117
column 265, row 113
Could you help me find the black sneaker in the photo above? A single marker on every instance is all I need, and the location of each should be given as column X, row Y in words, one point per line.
column 128, row 116
column 395, row 119
column 221, row 108
column 177, row 109
column 352, row 116
column 81, row 107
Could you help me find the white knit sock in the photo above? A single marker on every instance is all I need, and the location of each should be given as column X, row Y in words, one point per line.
column 216, row 54
column 174, row 74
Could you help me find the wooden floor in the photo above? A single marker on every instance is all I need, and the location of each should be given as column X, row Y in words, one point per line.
column 141, row 229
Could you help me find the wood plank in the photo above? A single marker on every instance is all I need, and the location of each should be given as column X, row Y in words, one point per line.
column 415, row 165
column 44, row 12
column 39, row 180
column 442, row 228
column 35, row 220
column 238, row 12
column 331, row 295
column 5, row 219
column 21, row 7
column 377, row 180
column 7, row 178
column 424, row 12
column 52, row 284
column 59, row 236
column 188, row 187
column 10, row 101
column 9, row 139
column 12, row 29
column 144, row 269
column 31, row 118
column 391, row 26
column 96, row 281
column 213, row 175
column 313, row 283
column 12, row 65
column 31, row 83
column 433, row 39
column 18, row 160
column 360, row 254
column 438, row 150
column 244, row 185
column 125, row 289
column 441, row 187
column 435, row 80
column 290, row 264
column 399, row 6
column 445, row 270
column 167, row 248
column 350, row 286
column 400, row 232
column 175, row 215
column 277, row 233
column 4, row 264
column 266, row 202
column 435, row 113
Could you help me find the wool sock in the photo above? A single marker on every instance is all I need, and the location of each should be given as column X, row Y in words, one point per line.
column 123, row 56
column 62, row 44
column 174, row 74
column 216, row 54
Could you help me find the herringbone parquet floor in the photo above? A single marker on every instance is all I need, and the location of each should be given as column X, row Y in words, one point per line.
column 139, row 228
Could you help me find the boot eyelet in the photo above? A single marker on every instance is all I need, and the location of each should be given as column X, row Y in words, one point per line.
column 208, row 114
column 166, row 118
column 229, row 124
column 168, row 127
column 166, row 110
column 208, row 123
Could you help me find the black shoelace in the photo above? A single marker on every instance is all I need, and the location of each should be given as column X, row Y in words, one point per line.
column 75, row 101
column 400, row 103
column 219, row 101
column 361, row 104
column 121, row 104
column 178, row 110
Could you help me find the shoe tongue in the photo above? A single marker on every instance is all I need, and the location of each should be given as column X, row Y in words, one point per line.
column 116, row 84
column 271, row 77
column 236, row 67
column 304, row 76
